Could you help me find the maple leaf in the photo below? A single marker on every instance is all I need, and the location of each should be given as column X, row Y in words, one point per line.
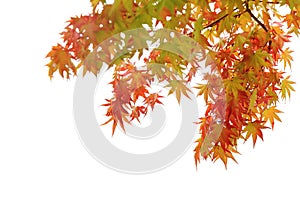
column 139, row 78
column 157, row 70
column 270, row 114
column 179, row 87
column 234, row 86
column 253, row 99
column 197, row 154
column 192, row 73
column 254, row 129
column 219, row 152
column 286, row 87
column 61, row 61
column 204, row 90
column 140, row 92
column 122, row 90
column 117, row 113
column 152, row 99
column 239, row 41
column 137, row 111
column 286, row 57
column 258, row 59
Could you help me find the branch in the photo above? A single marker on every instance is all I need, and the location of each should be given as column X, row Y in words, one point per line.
column 218, row 20
column 239, row 14
column 255, row 18
column 268, row 2
column 215, row 22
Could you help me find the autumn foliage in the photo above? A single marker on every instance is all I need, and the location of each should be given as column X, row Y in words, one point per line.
column 245, row 40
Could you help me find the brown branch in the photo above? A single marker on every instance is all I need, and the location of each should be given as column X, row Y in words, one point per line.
column 238, row 15
column 221, row 18
column 268, row 2
column 255, row 18
column 215, row 22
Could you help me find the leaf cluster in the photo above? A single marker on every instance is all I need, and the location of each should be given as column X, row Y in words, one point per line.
column 244, row 40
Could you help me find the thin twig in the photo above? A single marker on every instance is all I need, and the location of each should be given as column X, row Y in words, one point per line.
column 238, row 15
column 255, row 18
column 215, row 22
column 268, row 2
column 221, row 18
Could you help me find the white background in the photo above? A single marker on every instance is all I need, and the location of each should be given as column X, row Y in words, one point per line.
column 41, row 156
